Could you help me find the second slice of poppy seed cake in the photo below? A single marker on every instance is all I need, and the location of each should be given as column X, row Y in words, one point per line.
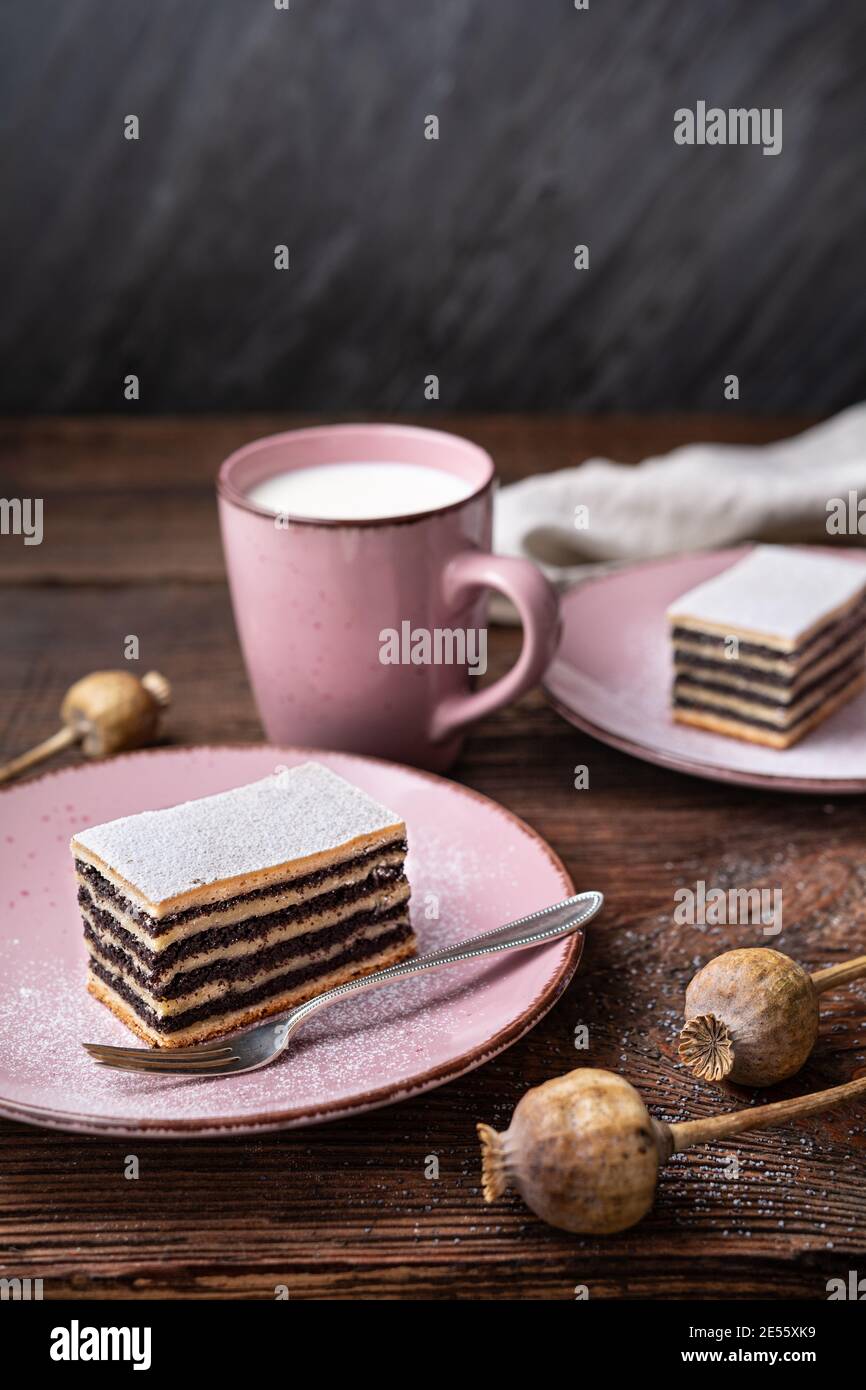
column 771, row 647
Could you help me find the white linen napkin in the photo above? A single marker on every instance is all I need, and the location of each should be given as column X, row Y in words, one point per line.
column 698, row 497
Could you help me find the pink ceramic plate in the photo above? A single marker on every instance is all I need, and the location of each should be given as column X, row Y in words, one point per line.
column 473, row 866
column 612, row 677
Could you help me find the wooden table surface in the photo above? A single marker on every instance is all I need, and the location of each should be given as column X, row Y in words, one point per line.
column 345, row 1211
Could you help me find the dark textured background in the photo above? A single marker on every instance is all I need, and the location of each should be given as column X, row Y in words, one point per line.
column 409, row 257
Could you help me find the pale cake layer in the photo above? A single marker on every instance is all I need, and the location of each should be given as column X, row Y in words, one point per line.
column 159, row 935
column 776, row 596
column 754, row 732
column 765, row 646
column 208, row 1027
column 285, row 826
column 256, row 972
column 772, row 708
column 231, row 947
column 701, row 662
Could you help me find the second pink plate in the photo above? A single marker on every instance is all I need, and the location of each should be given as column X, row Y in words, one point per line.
column 473, row 866
column 612, row 678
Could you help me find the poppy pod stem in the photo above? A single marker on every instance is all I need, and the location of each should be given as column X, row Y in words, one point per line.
column 105, row 712
column 763, row 1116
column 584, row 1152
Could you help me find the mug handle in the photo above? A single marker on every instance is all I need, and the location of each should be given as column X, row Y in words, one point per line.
column 538, row 605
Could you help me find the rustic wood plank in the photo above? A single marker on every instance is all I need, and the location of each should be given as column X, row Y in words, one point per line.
column 345, row 1211
column 132, row 501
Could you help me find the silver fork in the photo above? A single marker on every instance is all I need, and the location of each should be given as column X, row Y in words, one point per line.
column 260, row 1045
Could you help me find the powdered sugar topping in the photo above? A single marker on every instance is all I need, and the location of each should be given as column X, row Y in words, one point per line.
column 293, row 814
column 774, row 591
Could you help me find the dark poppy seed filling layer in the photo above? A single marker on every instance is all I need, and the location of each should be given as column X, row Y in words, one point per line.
column 746, row 719
column 720, row 712
column 249, row 929
column 158, row 926
column 851, row 624
column 824, row 686
column 700, row 666
column 357, row 953
column 244, row 966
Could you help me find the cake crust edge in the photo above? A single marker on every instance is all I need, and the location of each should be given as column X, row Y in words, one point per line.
column 733, row 728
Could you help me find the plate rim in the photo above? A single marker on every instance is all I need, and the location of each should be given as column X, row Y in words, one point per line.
column 294, row 1118
column 692, row 767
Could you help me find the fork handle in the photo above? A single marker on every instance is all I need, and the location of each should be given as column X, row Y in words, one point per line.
column 549, row 924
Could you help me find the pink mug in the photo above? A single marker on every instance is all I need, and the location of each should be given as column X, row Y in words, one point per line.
column 313, row 598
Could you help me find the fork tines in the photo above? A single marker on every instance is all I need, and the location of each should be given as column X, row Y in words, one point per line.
column 161, row 1059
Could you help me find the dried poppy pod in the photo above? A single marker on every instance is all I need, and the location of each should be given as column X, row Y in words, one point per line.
column 106, row 712
column 584, row 1152
column 752, row 1015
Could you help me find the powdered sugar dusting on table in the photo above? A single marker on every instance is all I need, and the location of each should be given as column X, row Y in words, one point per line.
column 471, row 869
